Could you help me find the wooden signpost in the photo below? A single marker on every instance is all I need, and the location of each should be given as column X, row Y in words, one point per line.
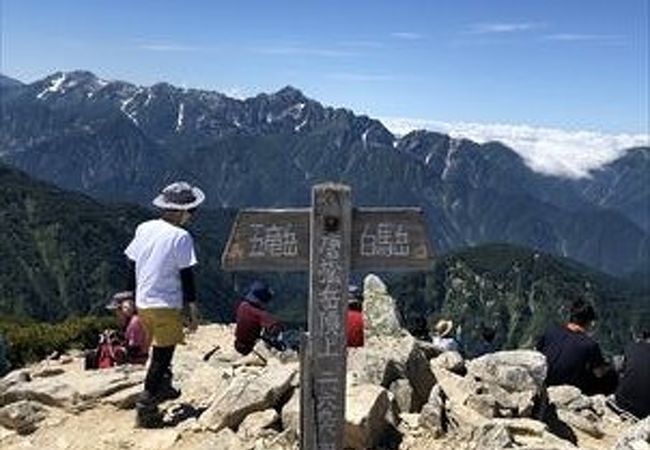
column 329, row 239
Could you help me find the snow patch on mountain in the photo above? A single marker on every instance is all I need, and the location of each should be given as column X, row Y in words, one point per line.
column 55, row 86
column 552, row 151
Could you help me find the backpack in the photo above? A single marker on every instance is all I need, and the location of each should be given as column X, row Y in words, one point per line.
column 110, row 351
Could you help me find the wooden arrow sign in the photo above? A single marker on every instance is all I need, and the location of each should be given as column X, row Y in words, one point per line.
column 383, row 239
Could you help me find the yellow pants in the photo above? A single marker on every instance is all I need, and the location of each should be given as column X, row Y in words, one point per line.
column 164, row 326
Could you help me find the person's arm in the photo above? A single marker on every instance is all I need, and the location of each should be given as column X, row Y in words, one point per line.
column 189, row 296
column 130, row 276
column 599, row 366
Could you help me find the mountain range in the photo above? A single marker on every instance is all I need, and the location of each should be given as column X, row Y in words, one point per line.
column 117, row 141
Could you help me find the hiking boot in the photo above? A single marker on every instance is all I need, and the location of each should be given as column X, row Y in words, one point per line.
column 147, row 413
column 167, row 392
column 148, row 418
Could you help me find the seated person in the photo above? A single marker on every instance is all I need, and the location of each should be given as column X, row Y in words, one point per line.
column 254, row 322
column 355, row 317
column 442, row 340
column 135, row 335
column 633, row 393
column 573, row 357
column 128, row 345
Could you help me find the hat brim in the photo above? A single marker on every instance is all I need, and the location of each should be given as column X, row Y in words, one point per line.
column 160, row 202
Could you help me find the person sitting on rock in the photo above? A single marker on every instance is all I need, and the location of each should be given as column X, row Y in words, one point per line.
column 487, row 343
column 355, row 317
column 573, row 357
column 136, row 341
column 442, row 339
column 633, row 393
column 254, row 322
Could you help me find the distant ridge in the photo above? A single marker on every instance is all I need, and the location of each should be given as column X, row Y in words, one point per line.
column 120, row 142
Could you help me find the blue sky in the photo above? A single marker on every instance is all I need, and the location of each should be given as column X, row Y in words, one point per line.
column 567, row 64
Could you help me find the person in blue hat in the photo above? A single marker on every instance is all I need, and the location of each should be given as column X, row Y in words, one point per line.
column 253, row 321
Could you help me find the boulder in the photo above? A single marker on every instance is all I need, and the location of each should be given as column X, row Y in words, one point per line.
column 380, row 313
column 383, row 360
column 432, row 418
column 636, row 437
column 365, row 416
column 226, row 439
column 515, row 371
column 562, row 396
column 22, row 416
column 254, row 423
column 291, row 414
column 402, row 393
column 75, row 390
column 451, row 361
column 248, row 392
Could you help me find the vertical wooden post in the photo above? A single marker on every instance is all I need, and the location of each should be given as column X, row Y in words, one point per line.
column 306, row 395
column 330, row 248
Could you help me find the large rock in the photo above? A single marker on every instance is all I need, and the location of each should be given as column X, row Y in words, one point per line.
column 380, row 313
column 249, row 392
column 515, row 371
column 432, row 418
column 451, row 361
column 636, row 437
column 256, row 422
column 402, row 394
column 291, row 414
column 384, row 360
column 365, row 416
column 23, row 416
column 75, row 390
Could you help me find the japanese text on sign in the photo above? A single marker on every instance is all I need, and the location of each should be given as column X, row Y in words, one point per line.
column 329, row 277
column 385, row 239
column 273, row 240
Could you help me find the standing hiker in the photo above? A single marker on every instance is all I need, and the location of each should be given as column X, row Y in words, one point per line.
column 161, row 257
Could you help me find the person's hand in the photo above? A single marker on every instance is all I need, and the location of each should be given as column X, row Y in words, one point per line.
column 194, row 317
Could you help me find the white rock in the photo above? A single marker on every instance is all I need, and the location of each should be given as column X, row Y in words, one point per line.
column 365, row 416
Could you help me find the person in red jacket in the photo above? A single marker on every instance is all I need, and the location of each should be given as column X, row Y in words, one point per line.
column 355, row 317
column 253, row 321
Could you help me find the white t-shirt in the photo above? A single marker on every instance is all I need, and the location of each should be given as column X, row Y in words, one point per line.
column 160, row 250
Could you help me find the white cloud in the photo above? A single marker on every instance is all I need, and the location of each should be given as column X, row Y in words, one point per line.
column 553, row 151
column 407, row 35
column 501, row 27
column 577, row 37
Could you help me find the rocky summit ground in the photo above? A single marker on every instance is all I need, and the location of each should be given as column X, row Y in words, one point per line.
column 401, row 395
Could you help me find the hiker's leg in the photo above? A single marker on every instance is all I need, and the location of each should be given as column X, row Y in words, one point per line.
column 159, row 368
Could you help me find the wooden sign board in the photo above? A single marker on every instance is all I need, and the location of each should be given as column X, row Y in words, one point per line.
column 269, row 240
column 383, row 239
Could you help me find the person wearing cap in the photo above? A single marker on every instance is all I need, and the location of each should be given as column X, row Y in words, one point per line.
column 253, row 321
column 136, row 342
column 354, row 324
column 443, row 340
column 161, row 257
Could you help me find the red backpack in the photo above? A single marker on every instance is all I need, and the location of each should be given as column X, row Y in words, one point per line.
column 110, row 351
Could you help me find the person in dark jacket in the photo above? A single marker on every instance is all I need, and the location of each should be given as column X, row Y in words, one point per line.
column 253, row 321
column 633, row 393
column 573, row 357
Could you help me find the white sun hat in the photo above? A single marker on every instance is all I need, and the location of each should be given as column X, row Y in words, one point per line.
column 179, row 196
